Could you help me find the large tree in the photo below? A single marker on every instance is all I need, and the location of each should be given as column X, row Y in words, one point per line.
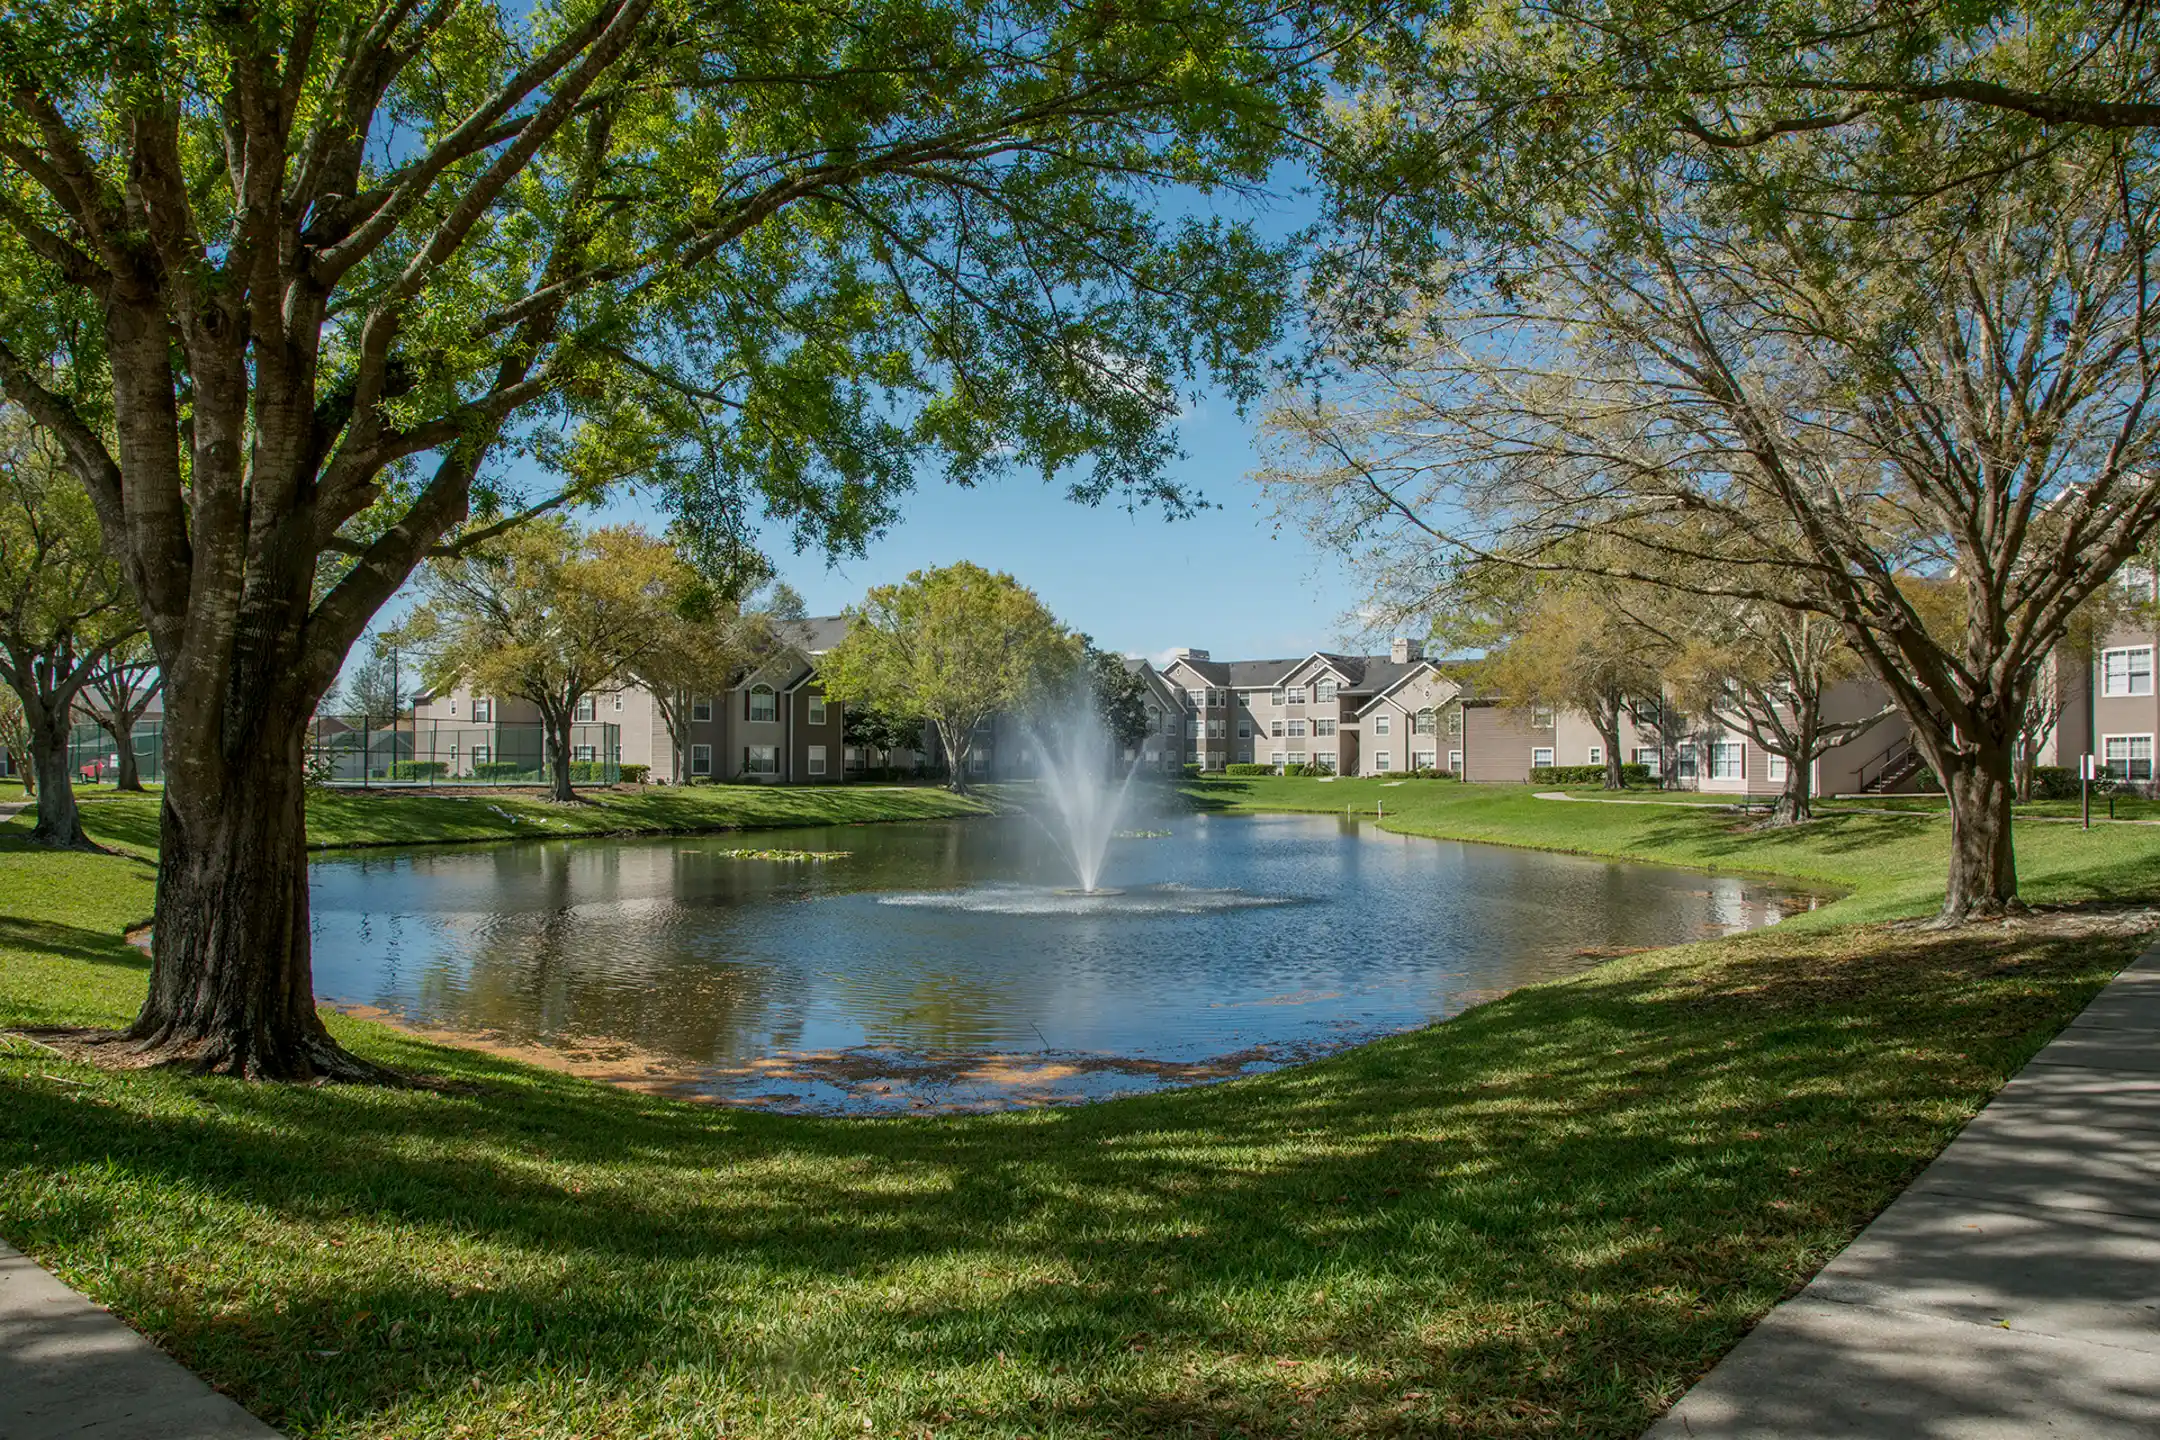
column 117, row 698
column 305, row 289
column 1787, row 408
column 549, row 615
column 63, row 607
column 958, row 645
column 1119, row 695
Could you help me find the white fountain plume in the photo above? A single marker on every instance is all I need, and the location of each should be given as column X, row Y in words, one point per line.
column 1086, row 796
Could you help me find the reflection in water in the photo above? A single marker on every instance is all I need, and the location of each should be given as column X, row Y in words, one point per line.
column 940, row 966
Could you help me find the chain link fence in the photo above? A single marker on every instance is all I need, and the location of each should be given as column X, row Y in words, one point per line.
column 364, row 751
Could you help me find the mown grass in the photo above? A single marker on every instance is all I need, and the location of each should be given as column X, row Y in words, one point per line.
column 1542, row 1218
column 340, row 819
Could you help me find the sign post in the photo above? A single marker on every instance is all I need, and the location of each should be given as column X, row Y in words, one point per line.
column 2085, row 779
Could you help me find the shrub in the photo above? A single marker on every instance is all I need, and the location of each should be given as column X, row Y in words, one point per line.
column 1427, row 773
column 636, row 774
column 589, row 771
column 2055, row 782
column 419, row 769
column 1249, row 769
column 1586, row 775
column 498, row 771
column 1192, row 772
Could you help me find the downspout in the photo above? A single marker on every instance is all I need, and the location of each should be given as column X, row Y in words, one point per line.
column 788, row 777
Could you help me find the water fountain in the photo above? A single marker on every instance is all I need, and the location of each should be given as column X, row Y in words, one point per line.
column 1083, row 792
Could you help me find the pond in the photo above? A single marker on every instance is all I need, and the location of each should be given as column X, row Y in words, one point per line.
column 936, row 966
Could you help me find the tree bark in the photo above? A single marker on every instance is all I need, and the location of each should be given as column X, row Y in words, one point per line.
column 956, row 754
column 59, row 821
column 1795, row 803
column 232, row 990
column 1983, row 862
column 121, row 726
column 558, row 738
column 1606, row 720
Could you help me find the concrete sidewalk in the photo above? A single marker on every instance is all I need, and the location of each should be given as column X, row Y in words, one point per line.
column 69, row 1368
column 2013, row 1290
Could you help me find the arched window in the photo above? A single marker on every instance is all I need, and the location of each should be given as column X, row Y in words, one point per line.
column 1423, row 724
column 764, row 705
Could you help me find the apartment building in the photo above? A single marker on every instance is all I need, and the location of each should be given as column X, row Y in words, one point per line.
column 1353, row 714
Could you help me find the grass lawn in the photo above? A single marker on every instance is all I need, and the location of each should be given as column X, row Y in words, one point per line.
column 1545, row 1217
column 344, row 818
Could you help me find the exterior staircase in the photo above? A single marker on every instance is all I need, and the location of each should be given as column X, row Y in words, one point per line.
column 1892, row 768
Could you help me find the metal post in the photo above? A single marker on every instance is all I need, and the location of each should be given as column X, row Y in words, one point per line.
column 2085, row 775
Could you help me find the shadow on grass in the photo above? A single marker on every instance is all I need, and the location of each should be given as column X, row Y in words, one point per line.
column 1542, row 1217
column 70, row 942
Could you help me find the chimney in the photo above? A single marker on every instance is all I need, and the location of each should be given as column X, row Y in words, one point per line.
column 1403, row 651
column 1187, row 653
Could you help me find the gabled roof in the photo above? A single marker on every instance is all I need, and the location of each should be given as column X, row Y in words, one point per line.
column 813, row 635
column 1388, row 676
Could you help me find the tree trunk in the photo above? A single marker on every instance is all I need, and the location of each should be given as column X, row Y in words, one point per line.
column 1795, row 803
column 59, row 822
column 956, row 754
column 231, row 983
column 1983, row 863
column 122, row 730
column 558, row 733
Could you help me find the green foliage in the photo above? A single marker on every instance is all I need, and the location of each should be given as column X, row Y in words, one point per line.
column 876, row 728
column 419, row 769
column 1584, row 775
column 958, row 645
column 635, row 774
column 1119, row 695
column 500, row 771
column 1248, row 769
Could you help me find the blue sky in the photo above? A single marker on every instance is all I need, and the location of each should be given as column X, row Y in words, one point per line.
column 1225, row 580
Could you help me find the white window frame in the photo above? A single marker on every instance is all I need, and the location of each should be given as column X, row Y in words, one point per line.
column 1297, row 729
column 751, row 705
column 752, row 765
column 1325, row 759
column 1244, row 757
column 585, row 753
column 1422, row 723
column 1424, row 760
column 2131, row 674
column 1297, row 757
column 1723, row 752
column 586, row 711
column 1323, row 691
column 483, row 710
column 1651, row 759
column 2130, row 760
column 814, row 762
column 1279, row 698
column 1275, row 758
column 1775, row 766
column 1296, row 694
column 1244, row 728
column 1595, row 755
column 453, row 704
column 1454, row 762
column 1380, row 723
column 1382, row 762
column 1543, row 717
column 618, row 702
column 1323, row 727
column 701, row 759
column 1687, row 761
column 479, row 756
column 815, row 710
column 701, row 709
column 1541, row 755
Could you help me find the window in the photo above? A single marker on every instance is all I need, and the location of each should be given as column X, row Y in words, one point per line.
column 1380, row 723
column 1382, row 762
column 585, row 710
column 1422, row 760
column 701, row 759
column 1540, row 755
column 2127, row 672
column 1297, row 694
column 1728, row 760
column 1774, row 767
column 817, row 714
column 1595, row 755
column 1685, row 761
column 815, row 765
column 1192, row 727
column 1541, row 717
column 1278, row 695
column 1276, row 759
column 1454, row 724
column 1169, row 723
column 483, row 711
column 1297, row 729
column 978, row 762
column 1324, row 691
column 1325, row 759
column 1275, row 729
column 1244, row 757
column 584, row 752
column 1297, row 757
column 1421, row 723
column 453, row 704
column 764, row 705
column 1323, row 727
column 2129, row 757
column 1214, row 727
column 701, row 708
column 1647, row 756
column 1647, row 711
column 1244, row 728
column 2137, row 581
column 618, row 702
column 1199, row 699
column 761, row 760
column 1454, row 762
column 480, row 755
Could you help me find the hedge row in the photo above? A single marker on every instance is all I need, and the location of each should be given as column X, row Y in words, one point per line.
column 1587, row 775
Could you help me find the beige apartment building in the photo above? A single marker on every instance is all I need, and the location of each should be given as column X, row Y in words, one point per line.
column 1353, row 714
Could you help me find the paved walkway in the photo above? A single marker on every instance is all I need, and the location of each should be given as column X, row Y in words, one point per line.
column 2013, row 1290
column 69, row 1369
